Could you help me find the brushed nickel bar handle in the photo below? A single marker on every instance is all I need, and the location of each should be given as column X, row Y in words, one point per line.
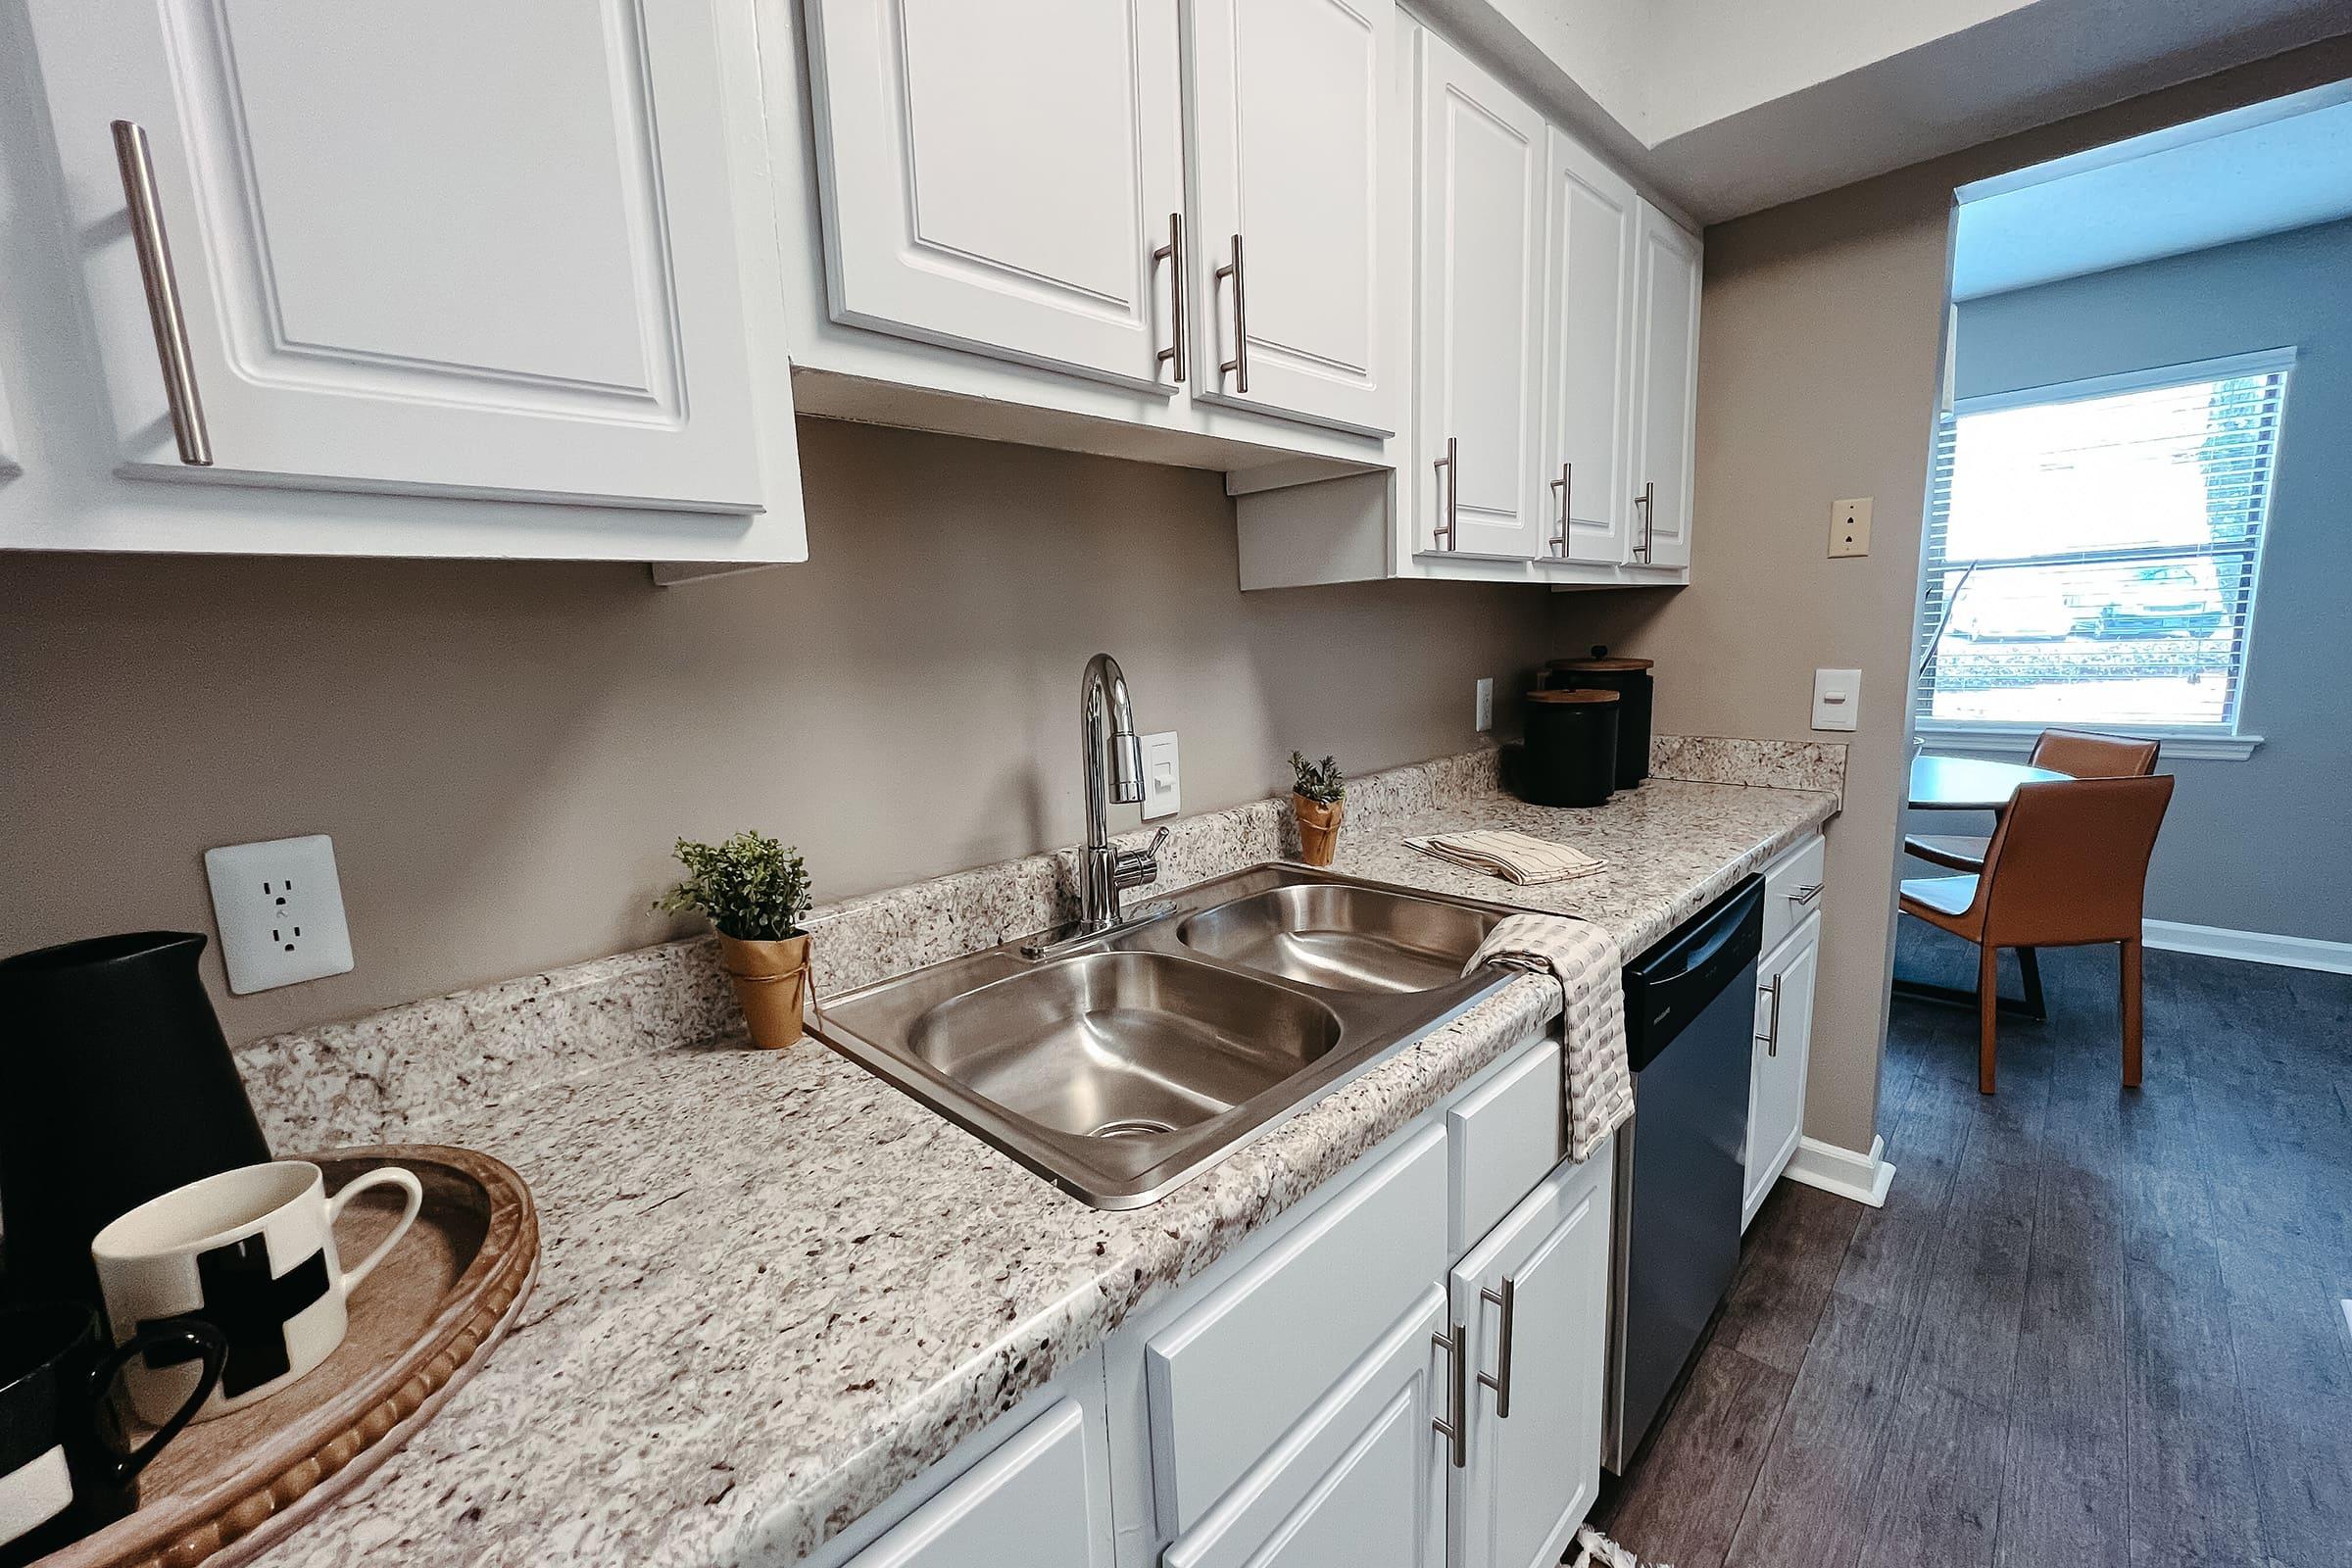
column 1239, row 365
column 1648, row 501
column 1451, row 467
column 1806, row 894
column 1771, row 1040
column 1508, row 1300
column 1454, row 1425
column 1173, row 253
column 154, row 245
column 1559, row 543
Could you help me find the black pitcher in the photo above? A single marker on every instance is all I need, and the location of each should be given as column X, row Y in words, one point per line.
column 115, row 1085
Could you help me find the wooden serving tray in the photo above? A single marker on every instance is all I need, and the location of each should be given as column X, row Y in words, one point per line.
column 227, row 1488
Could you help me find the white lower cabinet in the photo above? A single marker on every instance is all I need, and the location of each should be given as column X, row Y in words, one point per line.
column 1533, row 1298
column 1298, row 1405
column 1041, row 1500
column 1360, row 1483
column 1776, row 1100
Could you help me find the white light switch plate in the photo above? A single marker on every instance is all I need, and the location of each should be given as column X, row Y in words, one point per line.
column 279, row 906
column 1849, row 529
column 1837, row 699
column 1162, row 794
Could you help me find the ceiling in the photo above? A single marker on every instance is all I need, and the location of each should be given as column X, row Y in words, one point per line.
column 2237, row 176
column 1726, row 106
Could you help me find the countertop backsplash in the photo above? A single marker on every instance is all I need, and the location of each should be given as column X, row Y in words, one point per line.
column 376, row 1077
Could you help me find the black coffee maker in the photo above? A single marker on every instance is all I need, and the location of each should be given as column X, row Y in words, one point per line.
column 115, row 1085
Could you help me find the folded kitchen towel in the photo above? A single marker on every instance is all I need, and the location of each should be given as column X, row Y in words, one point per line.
column 1584, row 960
column 1498, row 852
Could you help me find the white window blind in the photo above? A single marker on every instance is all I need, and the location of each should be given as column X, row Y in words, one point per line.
column 2092, row 550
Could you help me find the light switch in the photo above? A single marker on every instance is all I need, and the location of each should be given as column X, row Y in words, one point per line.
column 1837, row 699
column 1162, row 795
column 1849, row 529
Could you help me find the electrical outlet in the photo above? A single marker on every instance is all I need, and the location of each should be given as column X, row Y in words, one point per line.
column 1163, row 795
column 1849, row 527
column 1486, row 704
column 279, row 906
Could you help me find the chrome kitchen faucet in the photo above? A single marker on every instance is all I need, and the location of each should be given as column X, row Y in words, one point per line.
column 1114, row 771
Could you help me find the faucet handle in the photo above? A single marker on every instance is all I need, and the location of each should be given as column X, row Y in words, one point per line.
column 1134, row 867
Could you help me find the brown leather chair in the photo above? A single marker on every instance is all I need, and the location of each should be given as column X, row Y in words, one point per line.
column 2067, row 866
column 2075, row 753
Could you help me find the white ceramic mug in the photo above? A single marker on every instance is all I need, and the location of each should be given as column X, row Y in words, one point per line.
column 250, row 1251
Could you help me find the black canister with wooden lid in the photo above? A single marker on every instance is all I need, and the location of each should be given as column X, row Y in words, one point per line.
column 1630, row 679
column 1571, row 746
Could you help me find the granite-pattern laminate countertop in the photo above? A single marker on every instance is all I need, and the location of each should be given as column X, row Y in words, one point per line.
column 772, row 1288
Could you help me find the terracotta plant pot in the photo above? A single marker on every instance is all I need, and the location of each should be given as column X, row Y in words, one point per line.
column 771, row 980
column 1319, row 828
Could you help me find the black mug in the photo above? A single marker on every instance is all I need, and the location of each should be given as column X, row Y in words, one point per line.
column 64, row 1468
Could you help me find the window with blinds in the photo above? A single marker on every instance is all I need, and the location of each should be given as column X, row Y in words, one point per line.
column 2092, row 550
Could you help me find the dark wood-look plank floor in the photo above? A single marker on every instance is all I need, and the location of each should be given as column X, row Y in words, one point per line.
column 2091, row 1328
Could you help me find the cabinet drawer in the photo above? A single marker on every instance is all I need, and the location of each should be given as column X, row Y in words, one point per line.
column 1041, row 1500
column 1501, row 1139
column 1229, row 1378
column 1786, row 881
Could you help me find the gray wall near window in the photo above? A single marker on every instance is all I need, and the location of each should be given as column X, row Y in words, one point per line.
column 2263, row 845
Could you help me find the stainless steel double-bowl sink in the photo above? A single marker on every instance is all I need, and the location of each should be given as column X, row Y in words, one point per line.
column 1119, row 1068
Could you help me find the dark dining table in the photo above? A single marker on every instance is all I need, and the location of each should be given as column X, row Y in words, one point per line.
column 1970, row 784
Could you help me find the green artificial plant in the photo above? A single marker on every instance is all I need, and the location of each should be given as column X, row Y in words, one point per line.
column 1321, row 782
column 752, row 888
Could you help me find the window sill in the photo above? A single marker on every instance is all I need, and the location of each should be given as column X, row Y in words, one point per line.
column 2005, row 740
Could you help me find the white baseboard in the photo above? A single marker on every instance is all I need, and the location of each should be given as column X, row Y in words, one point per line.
column 2255, row 946
column 1864, row 1178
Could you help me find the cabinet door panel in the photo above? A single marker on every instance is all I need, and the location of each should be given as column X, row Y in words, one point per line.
column 1359, row 1482
column 1783, row 1048
column 1290, row 101
column 1227, row 1378
column 1482, row 170
column 1666, row 383
column 437, row 245
column 1042, row 1500
column 1532, row 1475
column 1589, row 355
column 997, row 176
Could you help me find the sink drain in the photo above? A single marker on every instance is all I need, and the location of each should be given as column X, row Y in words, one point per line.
column 1134, row 1127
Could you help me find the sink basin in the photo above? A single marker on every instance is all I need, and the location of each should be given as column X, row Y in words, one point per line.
column 1137, row 1059
column 1343, row 936
column 1122, row 1044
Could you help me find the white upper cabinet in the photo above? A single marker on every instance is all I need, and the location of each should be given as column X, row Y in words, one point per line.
column 442, row 246
column 998, row 177
column 1481, row 170
column 1292, row 161
column 1666, row 278
column 1587, row 347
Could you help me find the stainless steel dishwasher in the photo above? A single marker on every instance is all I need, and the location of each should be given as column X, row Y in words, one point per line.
column 1690, row 1020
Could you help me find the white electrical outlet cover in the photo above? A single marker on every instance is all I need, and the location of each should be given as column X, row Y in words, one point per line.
column 1162, row 792
column 279, row 908
column 1485, row 703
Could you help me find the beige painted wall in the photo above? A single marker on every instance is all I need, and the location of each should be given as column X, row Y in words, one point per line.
column 504, row 753
column 1820, row 349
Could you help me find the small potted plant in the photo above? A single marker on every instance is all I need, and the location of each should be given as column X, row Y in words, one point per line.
column 754, row 890
column 1318, row 799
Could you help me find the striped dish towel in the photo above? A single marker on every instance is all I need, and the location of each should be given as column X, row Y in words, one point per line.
column 1584, row 958
column 1497, row 852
